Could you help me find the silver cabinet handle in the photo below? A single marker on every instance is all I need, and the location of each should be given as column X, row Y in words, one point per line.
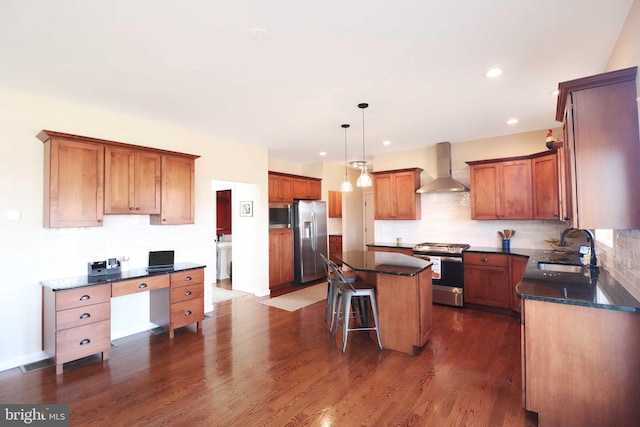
column 485, row 259
column 85, row 298
column 85, row 341
column 85, row 316
column 142, row 285
column 187, row 279
column 187, row 293
column 187, row 313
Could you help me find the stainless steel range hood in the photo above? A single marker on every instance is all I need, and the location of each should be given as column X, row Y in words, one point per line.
column 444, row 182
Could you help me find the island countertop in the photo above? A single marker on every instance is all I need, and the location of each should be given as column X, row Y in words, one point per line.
column 384, row 263
column 81, row 281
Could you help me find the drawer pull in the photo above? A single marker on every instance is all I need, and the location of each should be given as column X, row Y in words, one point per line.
column 85, row 341
column 142, row 285
column 188, row 278
column 85, row 316
column 187, row 293
column 85, row 298
column 187, row 313
column 485, row 259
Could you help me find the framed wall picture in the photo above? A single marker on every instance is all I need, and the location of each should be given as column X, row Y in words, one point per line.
column 246, row 208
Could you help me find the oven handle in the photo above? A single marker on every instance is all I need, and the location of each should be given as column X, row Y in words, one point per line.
column 443, row 258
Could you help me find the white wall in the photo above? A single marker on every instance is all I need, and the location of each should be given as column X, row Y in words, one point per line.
column 31, row 253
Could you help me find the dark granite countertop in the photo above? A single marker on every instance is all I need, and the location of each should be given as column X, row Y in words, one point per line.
column 587, row 288
column 384, row 262
column 81, row 281
column 393, row 245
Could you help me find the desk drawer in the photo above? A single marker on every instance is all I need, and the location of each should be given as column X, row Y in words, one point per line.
column 82, row 341
column 187, row 312
column 80, row 297
column 187, row 292
column 80, row 316
column 142, row 284
column 187, row 277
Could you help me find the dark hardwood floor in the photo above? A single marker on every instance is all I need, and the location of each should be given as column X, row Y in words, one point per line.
column 255, row 365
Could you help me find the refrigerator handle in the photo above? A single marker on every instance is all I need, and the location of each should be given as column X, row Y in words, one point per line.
column 314, row 230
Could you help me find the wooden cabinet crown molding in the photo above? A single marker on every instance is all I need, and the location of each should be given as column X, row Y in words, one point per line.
column 293, row 176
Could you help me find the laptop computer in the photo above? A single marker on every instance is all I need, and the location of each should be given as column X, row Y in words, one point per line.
column 160, row 261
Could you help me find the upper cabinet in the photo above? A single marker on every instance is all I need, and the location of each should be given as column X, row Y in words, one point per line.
column 86, row 178
column 307, row 188
column 394, row 194
column 524, row 187
column 280, row 188
column 132, row 181
column 178, row 191
column 73, row 182
column 284, row 188
column 335, row 204
column 600, row 121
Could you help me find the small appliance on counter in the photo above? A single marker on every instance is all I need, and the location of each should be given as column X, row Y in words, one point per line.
column 103, row 268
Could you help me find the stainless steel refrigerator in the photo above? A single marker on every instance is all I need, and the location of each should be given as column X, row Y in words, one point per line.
column 310, row 240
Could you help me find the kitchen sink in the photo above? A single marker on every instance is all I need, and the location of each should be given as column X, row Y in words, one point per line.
column 561, row 268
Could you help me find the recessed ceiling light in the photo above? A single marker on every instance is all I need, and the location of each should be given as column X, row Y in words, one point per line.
column 323, row 153
column 494, row 72
column 258, row 34
column 386, row 142
column 512, row 121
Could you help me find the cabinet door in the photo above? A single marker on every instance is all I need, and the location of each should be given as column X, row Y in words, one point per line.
column 516, row 196
column 335, row 204
column 280, row 257
column 382, row 197
column 178, row 186
column 406, row 198
column 280, row 189
column 485, row 191
column 132, row 181
column 307, row 189
column 74, row 186
column 517, row 266
column 545, row 187
column 487, row 286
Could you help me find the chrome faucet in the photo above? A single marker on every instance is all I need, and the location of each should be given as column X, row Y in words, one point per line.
column 591, row 239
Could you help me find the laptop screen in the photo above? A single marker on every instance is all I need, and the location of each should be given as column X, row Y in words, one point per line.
column 161, row 259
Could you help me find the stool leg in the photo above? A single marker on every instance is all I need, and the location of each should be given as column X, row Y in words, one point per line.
column 345, row 323
column 374, row 308
column 336, row 319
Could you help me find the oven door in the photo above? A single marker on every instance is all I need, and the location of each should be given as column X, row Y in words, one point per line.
column 448, row 279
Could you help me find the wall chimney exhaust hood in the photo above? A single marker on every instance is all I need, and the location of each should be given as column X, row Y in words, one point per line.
column 444, row 181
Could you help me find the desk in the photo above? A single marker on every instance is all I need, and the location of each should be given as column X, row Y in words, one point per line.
column 76, row 311
column 403, row 293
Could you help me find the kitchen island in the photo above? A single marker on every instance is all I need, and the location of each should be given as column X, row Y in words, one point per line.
column 580, row 344
column 403, row 293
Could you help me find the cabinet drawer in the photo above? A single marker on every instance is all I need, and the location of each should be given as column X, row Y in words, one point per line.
column 187, row 277
column 80, row 316
column 83, row 341
column 142, row 284
column 187, row 312
column 80, row 297
column 485, row 258
column 187, row 292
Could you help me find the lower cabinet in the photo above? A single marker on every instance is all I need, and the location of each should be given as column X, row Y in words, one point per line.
column 76, row 323
column 486, row 279
column 335, row 248
column 517, row 266
column 281, row 270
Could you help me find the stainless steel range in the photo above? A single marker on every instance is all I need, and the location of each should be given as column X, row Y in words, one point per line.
column 447, row 270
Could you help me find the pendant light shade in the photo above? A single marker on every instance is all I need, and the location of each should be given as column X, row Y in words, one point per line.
column 364, row 180
column 346, row 186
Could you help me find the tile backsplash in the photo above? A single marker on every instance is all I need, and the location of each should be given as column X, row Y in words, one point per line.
column 623, row 260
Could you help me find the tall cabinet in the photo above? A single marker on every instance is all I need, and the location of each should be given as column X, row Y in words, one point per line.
column 600, row 122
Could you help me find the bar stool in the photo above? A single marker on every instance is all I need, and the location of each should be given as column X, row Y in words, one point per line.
column 332, row 292
column 347, row 292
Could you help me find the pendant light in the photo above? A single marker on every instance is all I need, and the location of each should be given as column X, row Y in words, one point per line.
column 364, row 180
column 346, row 185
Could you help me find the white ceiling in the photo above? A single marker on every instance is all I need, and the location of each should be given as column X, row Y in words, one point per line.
column 419, row 64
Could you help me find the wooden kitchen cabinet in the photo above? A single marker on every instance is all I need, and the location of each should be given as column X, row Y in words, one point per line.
column 73, row 181
column 501, row 189
column 399, row 250
column 307, row 188
column 281, row 270
column 178, row 191
column 394, row 194
column 486, row 279
column 76, row 323
column 600, row 122
column 335, row 248
column 335, row 204
column 132, row 181
column 280, row 188
column 544, row 174
column 517, row 267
